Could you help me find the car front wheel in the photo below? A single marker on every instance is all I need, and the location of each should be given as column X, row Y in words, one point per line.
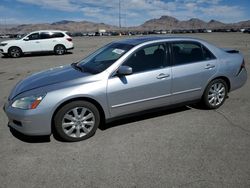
column 77, row 121
column 15, row 52
column 215, row 94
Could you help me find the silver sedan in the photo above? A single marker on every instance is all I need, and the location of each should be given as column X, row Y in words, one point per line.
column 122, row 78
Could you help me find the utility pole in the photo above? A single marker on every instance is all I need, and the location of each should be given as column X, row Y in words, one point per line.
column 120, row 13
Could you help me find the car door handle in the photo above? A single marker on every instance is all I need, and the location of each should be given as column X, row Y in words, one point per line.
column 209, row 66
column 162, row 75
column 37, row 42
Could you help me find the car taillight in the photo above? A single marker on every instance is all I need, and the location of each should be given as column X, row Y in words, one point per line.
column 243, row 64
column 69, row 39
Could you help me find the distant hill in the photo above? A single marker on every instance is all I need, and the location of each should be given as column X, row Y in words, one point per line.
column 65, row 25
column 169, row 23
column 162, row 23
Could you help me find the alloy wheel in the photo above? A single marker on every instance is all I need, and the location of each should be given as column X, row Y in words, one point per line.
column 15, row 52
column 78, row 122
column 216, row 94
column 60, row 50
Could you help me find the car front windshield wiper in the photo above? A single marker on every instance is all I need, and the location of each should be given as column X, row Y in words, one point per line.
column 77, row 67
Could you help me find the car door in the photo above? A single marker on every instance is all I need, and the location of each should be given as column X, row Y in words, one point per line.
column 49, row 40
column 147, row 87
column 193, row 65
column 31, row 43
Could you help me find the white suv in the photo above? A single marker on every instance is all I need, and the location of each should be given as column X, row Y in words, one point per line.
column 38, row 41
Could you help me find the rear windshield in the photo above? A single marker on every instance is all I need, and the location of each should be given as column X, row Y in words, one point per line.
column 104, row 57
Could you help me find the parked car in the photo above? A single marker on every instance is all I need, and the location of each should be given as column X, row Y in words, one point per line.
column 123, row 78
column 38, row 41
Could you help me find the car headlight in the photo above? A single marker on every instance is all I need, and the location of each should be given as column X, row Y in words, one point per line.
column 3, row 44
column 27, row 103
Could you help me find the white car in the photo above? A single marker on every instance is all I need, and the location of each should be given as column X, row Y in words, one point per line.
column 38, row 41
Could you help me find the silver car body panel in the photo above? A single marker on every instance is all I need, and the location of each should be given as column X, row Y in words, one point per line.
column 119, row 96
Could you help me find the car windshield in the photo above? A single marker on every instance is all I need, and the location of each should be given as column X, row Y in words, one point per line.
column 103, row 57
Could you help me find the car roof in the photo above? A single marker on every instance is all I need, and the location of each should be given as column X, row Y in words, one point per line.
column 140, row 40
column 48, row 31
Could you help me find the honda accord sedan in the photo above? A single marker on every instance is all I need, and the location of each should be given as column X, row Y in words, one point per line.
column 122, row 78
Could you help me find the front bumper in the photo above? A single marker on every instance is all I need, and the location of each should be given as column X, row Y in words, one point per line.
column 29, row 122
column 3, row 50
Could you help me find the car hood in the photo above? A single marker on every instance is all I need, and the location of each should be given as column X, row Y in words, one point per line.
column 48, row 77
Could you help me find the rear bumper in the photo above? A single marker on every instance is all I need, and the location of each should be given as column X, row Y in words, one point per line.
column 71, row 48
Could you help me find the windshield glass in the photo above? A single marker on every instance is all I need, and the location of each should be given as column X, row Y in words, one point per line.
column 104, row 57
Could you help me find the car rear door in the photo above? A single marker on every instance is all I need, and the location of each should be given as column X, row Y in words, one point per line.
column 48, row 41
column 193, row 65
column 147, row 87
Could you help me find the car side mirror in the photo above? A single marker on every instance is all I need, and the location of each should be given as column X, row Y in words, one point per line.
column 26, row 39
column 124, row 70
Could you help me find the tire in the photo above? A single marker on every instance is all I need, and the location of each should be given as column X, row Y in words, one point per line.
column 59, row 49
column 215, row 94
column 15, row 52
column 77, row 121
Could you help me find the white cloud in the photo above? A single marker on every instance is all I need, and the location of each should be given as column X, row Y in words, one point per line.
column 63, row 5
column 224, row 13
column 135, row 12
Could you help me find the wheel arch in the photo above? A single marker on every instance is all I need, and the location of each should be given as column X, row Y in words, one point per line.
column 59, row 45
column 15, row 47
column 94, row 102
column 225, row 79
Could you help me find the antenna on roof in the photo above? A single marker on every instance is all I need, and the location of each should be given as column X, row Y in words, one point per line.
column 120, row 13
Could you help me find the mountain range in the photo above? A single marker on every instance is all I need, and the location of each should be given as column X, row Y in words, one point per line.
column 162, row 23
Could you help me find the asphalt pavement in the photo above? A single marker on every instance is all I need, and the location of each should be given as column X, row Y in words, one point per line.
column 181, row 147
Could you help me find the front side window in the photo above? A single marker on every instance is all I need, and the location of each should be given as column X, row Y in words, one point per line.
column 148, row 58
column 34, row 36
column 187, row 52
column 104, row 57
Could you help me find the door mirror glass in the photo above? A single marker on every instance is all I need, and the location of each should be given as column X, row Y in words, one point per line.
column 124, row 70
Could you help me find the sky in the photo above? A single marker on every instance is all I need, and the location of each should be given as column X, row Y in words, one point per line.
column 133, row 12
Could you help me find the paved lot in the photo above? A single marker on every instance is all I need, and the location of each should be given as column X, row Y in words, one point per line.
column 184, row 147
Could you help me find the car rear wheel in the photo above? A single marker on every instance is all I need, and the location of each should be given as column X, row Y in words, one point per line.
column 15, row 52
column 59, row 49
column 215, row 94
column 77, row 121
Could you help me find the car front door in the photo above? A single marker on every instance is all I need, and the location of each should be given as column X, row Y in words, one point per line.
column 31, row 43
column 147, row 87
column 193, row 65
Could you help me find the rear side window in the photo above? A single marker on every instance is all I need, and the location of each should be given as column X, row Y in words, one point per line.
column 46, row 35
column 207, row 54
column 57, row 35
column 189, row 52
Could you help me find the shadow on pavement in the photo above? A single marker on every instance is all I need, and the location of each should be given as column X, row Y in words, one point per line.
column 143, row 116
column 38, row 54
column 29, row 139
column 118, row 122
